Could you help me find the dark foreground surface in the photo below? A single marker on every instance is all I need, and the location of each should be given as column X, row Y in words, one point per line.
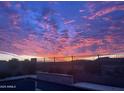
column 29, row 84
column 20, row 84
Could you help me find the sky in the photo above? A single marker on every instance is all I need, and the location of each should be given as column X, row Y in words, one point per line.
column 53, row 29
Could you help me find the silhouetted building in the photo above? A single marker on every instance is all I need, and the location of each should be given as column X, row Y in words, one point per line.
column 3, row 61
column 26, row 60
column 14, row 60
column 33, row 59
column 103, row 58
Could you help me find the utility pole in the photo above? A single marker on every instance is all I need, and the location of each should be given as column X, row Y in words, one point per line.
column 72, row 58
column 72, row 64
column 54, row 59
column 98, row 56
column 99, row 63
column 44, row 60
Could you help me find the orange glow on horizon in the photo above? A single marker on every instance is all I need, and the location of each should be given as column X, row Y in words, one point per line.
column 58, row 58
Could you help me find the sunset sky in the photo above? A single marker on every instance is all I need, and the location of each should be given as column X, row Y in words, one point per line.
column 53, row 29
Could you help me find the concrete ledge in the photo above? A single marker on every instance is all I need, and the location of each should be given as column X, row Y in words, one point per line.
column 18, row 77
column 54, row 77
column 97, row 87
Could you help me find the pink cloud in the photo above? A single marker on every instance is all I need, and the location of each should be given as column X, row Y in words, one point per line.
column 81, row 10
column 68, row 21
column 106, row 11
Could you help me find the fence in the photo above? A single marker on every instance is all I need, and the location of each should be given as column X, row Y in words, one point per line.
column 75, row 58
column 64, row 59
